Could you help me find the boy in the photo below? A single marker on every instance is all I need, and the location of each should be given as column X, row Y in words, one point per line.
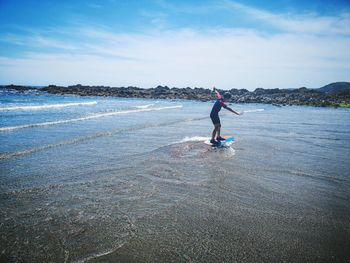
column 214, row 115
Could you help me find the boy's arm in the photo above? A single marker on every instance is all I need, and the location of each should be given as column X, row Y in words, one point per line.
column 231, row 110
column 218, row 95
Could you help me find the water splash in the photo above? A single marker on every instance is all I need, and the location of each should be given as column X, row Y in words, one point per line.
column 194, row 139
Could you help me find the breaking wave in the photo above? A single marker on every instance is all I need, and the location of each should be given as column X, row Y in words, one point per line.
column 47, row 106
column 144, row 106
column 95, row 116
column 255, row 110
column 8, row 155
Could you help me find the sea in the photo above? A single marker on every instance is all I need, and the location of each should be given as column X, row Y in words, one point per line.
column 104, row 179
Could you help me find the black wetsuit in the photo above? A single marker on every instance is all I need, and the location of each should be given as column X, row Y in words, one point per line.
column 214, row 114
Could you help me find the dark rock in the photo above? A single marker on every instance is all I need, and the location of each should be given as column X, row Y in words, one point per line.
column 277, row 97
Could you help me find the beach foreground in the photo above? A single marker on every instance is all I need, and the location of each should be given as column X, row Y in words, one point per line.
column 269, row 213
column 141, row 186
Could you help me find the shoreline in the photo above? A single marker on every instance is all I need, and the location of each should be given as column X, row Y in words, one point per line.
column 276, row 97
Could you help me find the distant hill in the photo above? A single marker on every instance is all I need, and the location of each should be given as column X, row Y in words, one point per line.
column 336, row 87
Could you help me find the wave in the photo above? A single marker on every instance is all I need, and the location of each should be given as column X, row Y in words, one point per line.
column 255, row 110
column 48, row 106
column 9, row 155
column 95, row 116
column 144, row 106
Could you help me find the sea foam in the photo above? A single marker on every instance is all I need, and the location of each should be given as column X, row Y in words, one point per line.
column 144, row 106
column 255, row 110
column 194, row 139
column 47, row 106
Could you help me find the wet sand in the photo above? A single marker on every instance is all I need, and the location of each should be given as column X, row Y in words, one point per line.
column 75, row 192
column 254, row 208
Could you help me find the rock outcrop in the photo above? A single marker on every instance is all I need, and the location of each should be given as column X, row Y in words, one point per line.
column 301, row 96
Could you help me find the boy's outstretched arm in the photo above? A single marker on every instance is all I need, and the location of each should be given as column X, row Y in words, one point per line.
column 231, row 110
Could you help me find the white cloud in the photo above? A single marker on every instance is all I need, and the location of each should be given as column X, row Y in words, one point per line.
column 38, row 41
column 227, row 58
column 307, row 52
column 301, row 23
column 158, row 20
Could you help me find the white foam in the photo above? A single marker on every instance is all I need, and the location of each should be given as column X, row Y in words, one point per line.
column 97, row 255
column 229, row 152
column 47, row 106
column 95, row 116
column 143, row 106
column 255, row 110
column 194, row 139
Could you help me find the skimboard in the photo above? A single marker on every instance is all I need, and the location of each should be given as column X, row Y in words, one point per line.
column 229, row 140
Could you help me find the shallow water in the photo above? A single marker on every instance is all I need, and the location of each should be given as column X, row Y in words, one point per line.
column 110, row 179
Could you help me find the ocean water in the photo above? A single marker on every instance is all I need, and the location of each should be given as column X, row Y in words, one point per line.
column 130, row 180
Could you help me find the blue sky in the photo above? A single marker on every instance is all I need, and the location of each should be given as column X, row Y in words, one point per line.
column 230, row 44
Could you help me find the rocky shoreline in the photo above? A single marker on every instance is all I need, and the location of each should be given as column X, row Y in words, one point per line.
column 278, row 97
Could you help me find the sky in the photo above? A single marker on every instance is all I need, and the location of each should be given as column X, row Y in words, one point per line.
column 199, row 43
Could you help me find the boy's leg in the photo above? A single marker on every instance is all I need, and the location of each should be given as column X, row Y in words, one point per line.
column 215, row 131
column 218, row 137
column 218, row 129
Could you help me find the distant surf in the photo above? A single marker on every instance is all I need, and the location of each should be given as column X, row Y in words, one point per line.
column 47, row 106
column 95, row 116
column 255, row 110
column 144, row 106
